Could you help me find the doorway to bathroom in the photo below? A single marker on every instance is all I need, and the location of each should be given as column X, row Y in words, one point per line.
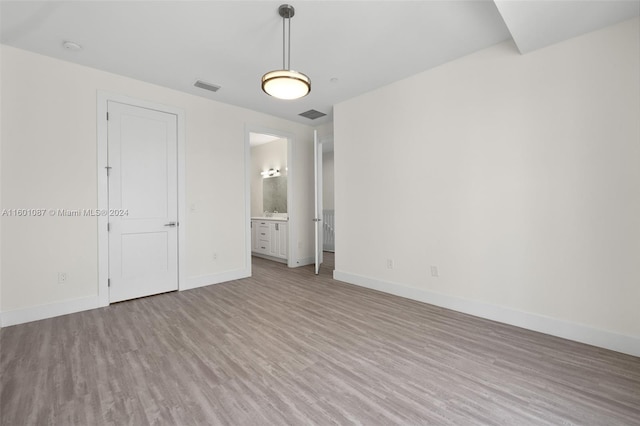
column 269, row 178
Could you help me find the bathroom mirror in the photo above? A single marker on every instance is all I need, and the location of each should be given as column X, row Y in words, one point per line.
column 274, row 194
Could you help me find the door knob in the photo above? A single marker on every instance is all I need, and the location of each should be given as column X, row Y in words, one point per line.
column 171, row 224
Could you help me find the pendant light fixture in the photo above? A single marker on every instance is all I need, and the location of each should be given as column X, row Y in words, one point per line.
column 286, row 83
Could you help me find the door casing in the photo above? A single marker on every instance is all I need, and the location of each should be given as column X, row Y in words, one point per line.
column 103, row 186
column 317, row 216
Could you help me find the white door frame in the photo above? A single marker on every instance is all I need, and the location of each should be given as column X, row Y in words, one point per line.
column 103, row 186
column 293, row 232
column 317, row 202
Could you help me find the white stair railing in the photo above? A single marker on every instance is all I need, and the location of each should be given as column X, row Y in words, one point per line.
column 328, row 227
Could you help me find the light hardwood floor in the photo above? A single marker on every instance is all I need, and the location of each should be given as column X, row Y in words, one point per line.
column 288, row 347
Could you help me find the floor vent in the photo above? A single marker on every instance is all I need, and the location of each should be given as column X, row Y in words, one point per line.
column 312, row 114
column 206, row 86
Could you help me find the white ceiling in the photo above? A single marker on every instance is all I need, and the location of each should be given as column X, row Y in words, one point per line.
column 536, row 24
column 257, row 139
column 345, row 47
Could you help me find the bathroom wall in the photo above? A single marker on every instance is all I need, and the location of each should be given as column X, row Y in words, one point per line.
column 271, row 155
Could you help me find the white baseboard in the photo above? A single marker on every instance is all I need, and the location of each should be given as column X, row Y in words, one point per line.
column 205, row 280
column 51, row 310
column 35, row 313
column 266, row 256
column 305, row 261
column 543, row 324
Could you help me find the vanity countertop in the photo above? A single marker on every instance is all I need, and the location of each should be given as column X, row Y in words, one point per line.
column 274, row 218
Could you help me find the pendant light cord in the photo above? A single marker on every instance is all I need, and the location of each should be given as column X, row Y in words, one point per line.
column 286, row 58
column 289, row 50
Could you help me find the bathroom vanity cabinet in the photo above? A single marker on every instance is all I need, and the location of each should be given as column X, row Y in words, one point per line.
column 269, row 238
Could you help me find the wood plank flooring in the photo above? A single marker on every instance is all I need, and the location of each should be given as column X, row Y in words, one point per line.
column 289, row 348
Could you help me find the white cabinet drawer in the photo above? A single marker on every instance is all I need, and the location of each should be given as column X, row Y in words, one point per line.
column 262, row 246
column 270, row 238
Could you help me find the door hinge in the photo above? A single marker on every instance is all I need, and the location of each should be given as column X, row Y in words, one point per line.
column 108, row 227
column 108, row 282
column 107, row 115
column 108, row 170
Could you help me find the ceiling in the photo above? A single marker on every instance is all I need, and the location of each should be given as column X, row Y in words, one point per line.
column 345, row 47
column 257, row 139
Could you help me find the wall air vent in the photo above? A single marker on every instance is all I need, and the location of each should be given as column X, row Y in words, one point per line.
column 206, row 86
column 312, row 114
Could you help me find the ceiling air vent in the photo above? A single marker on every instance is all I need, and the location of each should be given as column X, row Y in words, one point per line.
column 206, row 86
column 312, row 114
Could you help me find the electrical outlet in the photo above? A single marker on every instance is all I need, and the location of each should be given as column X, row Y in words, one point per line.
column 389, row 263
column 434, row 271
column 62, row 277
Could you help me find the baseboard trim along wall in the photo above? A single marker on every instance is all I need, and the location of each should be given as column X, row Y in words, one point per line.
column 209, row 279
column 305, row 261
column 547, row 325
column 36, row 313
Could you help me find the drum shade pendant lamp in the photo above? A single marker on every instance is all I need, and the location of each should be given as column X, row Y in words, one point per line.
column 286, row 83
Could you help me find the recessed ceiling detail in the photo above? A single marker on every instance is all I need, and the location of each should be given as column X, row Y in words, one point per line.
column 206, row 86
column 312, row 114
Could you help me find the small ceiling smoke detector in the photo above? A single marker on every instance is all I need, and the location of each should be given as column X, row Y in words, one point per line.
column 70, row 45
column 206, row 86
column 312, row 114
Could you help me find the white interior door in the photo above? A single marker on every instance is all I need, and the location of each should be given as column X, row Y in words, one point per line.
column 143, row 201
column 317, row 176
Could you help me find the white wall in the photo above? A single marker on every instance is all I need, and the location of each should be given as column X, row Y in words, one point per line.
column 49, row 161
column 516, row 175
column 1, row 133
column 271, row 155
column 325, row 131
column 327, row 181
